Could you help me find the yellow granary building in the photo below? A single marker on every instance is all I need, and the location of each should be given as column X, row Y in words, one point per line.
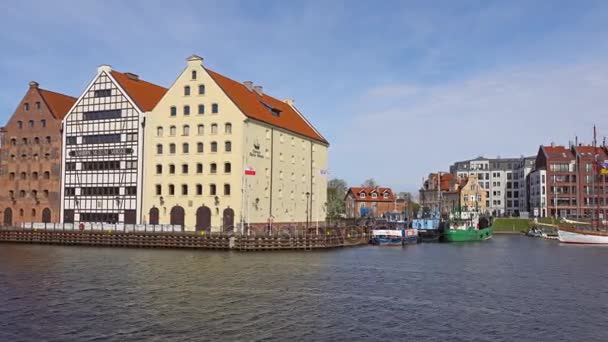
column 222, row 155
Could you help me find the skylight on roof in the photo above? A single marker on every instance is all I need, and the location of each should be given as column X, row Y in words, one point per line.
column 271, row 109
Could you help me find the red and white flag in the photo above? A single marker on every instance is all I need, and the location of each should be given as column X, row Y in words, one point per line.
column 249, row 171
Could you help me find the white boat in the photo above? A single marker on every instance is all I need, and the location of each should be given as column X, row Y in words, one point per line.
column 582, row 236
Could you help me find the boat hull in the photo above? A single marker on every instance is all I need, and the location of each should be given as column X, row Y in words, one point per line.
column 581, row 237
column 379, row 241
column 471, row 234
column 430, row 235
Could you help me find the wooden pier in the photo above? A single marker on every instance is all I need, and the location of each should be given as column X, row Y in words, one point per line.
column 194, row 240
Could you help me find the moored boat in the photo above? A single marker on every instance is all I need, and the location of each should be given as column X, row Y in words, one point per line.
column 471, row 229
column 387, row 237
column 583, row 235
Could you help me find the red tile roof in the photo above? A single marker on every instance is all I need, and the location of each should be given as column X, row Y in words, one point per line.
column 589, row 152
column 356, row 191
column 255, row 106
column 145, row 94
column 58, row 104
column 557, row 153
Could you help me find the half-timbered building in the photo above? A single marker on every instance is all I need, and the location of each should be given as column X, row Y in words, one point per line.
column 103, row 149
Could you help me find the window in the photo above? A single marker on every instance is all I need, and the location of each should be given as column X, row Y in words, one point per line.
column 172, row 130
column 228, row 128
column 227, row 168
column 159, row 190
column 45, row 193
column 100, row 191
column 30, row 124
column 227, row 146
column 131, row 137
column 185, row 168
column 172, row 148
column 212, row 190
column 187, row 91
column 20, row 124
column 201, row 89
column 362, row 194
column 214, row 108
column 34, row 175
column 171, row 168
column 21, row 212
column 11, row 194
column 199, row 147
column 173, row 111
column 186, row 130
column 171, row 189
column 199, row 189
column 101, row 139
column 159, row 149
column 185, row 148
column 36, row 140
column 48, row 139
column 22, row 175
column 22, row 193
column 159, row 169
column 184, row 189
column 213, row 128
column 213, row 168
column 24, row 141
column 186, row 110
column 159, row 131
column 104, row 165
column 199, row 168
column 102, row 114
column 103, row 93
column 26, row 106
column 38, row 105
column 227, row 189
column 200, row 129
column 13, row 141
column 201, row 109
column 131, row 190
column 193, row 74
column 46, row 175
column 213, row 146
column 70, row 140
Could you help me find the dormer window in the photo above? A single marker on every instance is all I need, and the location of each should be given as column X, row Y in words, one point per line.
column 272, row 110
column 374, row 195
column 362, row 194
column 385, row 195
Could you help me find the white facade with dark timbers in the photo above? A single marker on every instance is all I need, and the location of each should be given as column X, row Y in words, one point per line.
column 103, row 149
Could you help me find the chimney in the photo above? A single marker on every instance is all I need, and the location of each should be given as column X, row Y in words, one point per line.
column 195, row 60
column 34, row 84
column 290, row 102
column 258, row 89
column 552, row 144
column 248, row 85
column 104, row 67
column 132, row 76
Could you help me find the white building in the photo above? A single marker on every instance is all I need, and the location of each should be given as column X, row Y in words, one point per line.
column 102, row 164
column 538, row 193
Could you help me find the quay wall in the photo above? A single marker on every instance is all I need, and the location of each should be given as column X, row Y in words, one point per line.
column 326, row 239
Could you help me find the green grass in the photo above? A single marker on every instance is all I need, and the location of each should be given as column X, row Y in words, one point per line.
column 512, row 225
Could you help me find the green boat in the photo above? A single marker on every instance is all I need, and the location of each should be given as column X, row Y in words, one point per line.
column 472, row 228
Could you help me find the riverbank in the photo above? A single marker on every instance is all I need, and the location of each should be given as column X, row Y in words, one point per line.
column 327, row 239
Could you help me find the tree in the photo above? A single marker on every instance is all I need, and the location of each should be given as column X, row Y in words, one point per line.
column 370, row 183
column 407, row 196
column 336, row 190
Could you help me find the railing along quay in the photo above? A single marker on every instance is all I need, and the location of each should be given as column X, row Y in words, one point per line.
column 199, row 240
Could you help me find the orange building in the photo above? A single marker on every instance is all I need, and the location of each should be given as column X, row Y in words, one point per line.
column 374, row 202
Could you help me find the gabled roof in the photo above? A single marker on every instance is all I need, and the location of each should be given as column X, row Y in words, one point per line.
column 589, row 152
column 59, row 104
column 356, row 191
column 145, row 94
column 559, row 153
column 260, row 107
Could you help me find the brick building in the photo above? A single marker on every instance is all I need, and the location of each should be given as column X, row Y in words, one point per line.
column 30, row 158
column 374, row 202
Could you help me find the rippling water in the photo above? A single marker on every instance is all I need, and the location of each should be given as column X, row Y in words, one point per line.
column 511, row 288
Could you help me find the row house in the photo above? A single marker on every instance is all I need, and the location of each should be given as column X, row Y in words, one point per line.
column 372, row 202
column 30, row 158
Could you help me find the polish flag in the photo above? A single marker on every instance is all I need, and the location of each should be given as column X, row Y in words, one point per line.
column 249, row 171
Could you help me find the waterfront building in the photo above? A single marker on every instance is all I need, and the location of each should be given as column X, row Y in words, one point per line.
column 437, row 192
column 372, row 202
column 103, row 134
column 499, row 177
column 30, row 158
column 472, row 197
column 518, row 194
column 571, row 190
column 224, row 155
column 538, row 193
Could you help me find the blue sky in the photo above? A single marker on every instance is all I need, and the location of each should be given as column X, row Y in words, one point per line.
column 399, row 88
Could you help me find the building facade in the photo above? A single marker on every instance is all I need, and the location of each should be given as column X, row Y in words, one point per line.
column 223, row 155
column 538, row 193
column 103, row 149
column 372, row 202
column 438, row 193
column 472, row 197
column 30, row 158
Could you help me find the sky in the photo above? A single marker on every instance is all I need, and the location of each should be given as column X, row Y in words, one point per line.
column 398, row 88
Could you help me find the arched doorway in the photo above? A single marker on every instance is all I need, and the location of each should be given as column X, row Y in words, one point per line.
column 46, row 215
column 8, row 217
column 228, row 220
column 203, row 219
column 154, row 215
column 177, row 216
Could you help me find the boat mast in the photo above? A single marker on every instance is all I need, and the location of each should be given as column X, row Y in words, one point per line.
column 595, row 170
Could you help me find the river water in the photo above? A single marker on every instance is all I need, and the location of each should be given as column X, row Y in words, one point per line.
column 510, row 288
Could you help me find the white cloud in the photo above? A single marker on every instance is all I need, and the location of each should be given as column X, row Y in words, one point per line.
column 420, row 129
